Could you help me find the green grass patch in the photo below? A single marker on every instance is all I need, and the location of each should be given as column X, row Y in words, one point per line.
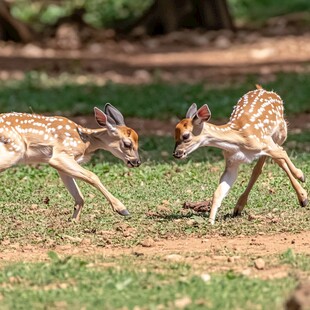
column 35, row 206
column 38, row 208
column 41, row 93
column 260, row 11
column 299, row 261
column 69, row 282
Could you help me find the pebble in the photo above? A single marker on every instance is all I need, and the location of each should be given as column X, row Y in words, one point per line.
column 259, row 264
column 147, row 243
column 174, row 257
column 182, row 302
column 205, row 277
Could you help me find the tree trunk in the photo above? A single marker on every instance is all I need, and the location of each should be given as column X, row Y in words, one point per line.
column 166, row 16
column 167, row 9
column 11, row 28
column 213, row 14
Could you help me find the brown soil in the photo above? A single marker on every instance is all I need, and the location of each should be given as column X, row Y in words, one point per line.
column 259, row 245
column 172, row 58
column 216, row 253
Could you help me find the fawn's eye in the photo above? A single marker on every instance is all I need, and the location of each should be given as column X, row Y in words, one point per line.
column 186, row 136
column 127, row 144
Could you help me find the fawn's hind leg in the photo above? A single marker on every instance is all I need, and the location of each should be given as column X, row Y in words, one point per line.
column 8, row 157
column 277, row 152
column 279, row 155
column 301, row 193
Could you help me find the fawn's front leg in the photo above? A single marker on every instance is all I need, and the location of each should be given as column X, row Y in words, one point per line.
column 226, row 182
column 67, row 165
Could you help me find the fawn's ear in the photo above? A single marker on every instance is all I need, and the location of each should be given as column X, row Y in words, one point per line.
column 104, row 120
column 202, row 115
column 115, row 114
column 191, row 111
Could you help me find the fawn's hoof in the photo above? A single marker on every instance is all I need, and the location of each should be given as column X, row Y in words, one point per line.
column 303, row 203
column 123, row 212
column 302, row 178
column 236, row 213
column 211, row 221
column 74, row 219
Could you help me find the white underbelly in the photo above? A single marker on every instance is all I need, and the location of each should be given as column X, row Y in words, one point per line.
column 246, row 156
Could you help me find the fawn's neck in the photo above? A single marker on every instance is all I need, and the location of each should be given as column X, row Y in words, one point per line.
column 94, row 139
column 223, row 137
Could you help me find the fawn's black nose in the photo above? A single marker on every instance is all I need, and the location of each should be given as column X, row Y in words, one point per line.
column 134, row 163
column 178, row 154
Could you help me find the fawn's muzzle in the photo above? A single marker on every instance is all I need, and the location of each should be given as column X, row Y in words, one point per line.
column 133, row 163
column 179, row 154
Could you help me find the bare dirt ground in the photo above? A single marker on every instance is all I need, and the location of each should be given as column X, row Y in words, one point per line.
column 259, row 245
column 173, row 61
column 214, row 254
column 172, row 58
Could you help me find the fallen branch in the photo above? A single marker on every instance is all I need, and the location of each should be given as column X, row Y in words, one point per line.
column 201, row 206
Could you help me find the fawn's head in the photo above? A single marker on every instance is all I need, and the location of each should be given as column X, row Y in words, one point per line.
column 188, row 131
column 121, row 140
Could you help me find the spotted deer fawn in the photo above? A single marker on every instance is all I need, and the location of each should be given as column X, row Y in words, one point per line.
column 61, row 143
column 256, row 129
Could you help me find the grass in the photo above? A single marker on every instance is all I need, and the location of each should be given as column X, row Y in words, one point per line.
column 67, row 283
column 63, row 94
column 39, row 207
column 260, row 11
column 299, row 261
column 35, row 207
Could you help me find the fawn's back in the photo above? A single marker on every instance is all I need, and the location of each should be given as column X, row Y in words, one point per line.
column 259, row 115
column 35, row 137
